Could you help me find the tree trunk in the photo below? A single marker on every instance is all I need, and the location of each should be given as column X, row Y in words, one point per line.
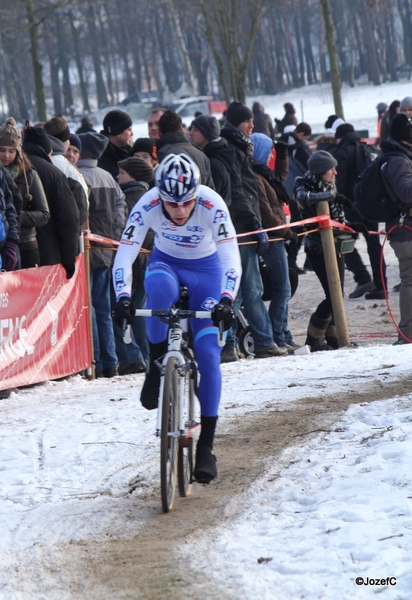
column 79, row 64
column 102, row 99
column 333, row 58
column 62, row 41
column 33, row 27
column 368, row 39
column 182, row 47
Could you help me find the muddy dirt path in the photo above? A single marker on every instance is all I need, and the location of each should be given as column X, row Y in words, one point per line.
column 147, row 567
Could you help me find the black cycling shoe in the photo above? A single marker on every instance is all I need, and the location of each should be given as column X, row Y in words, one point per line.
column 205, row 470
column 149, row 396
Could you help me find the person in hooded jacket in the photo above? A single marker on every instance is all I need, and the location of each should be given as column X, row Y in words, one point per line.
column 288, row 119
column 269, row 165
column 397, row 179
column 135, row 178
column 205, row 133
column 117, row 127
column 58, row 240
column 262, row 123
column 349, row 152
column 35, row 209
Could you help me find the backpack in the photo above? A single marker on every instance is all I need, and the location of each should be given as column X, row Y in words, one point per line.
column 364, row 156
column 370, row 197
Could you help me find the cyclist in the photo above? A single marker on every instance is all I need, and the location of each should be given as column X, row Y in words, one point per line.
column 195, row 246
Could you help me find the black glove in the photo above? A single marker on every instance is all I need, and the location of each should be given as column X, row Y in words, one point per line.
column 344, row 201
column 281, row 146
column 124, row 312
column 359, row 228
column 223, row 313
column 263, row 241
column 70, row 270
column 314, row 197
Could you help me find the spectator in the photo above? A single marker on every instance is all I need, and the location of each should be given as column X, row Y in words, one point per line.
column 74, row 150
column 146, row 149
column 246, row 217
column 107, row 216
column 349, row 153
column 135, row 178
column 117, row 127
column 382, row 107
column 316, row 185
column 59, row 135
column 153, row 123
column 288, row 119
column 393, row 110
column 397, row 179
column 174, row 141
column 86, row 126
column 35, row 210
column 262, row 123
column 406, row 106
column 273, row 215
column 205, row 134
column 58, row 240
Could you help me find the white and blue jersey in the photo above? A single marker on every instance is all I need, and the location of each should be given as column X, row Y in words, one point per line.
column 208, row 230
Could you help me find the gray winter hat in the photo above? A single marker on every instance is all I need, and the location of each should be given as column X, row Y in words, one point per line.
column 208, row 126
column 406, row 103
column 93, row 144
column 320, row 162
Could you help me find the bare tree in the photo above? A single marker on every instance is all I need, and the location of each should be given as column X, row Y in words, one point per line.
column 333, row 58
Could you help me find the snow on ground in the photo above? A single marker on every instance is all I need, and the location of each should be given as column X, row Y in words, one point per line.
column 328, row 511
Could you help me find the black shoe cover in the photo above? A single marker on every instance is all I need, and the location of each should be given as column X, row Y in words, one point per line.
column 205, row 469
column 150, row 391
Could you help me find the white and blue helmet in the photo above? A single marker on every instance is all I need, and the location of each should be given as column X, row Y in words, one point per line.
column 177, row 178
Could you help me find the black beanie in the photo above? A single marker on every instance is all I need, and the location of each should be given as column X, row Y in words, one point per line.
column 137, row 168
column 93, row 144
column 320, row 162
column 237, row 113
column 400, row 128
column 38, row 136
column 145, row 145
column 58, row 128
column 343, row 129
column 115, row 122
column 208, row 126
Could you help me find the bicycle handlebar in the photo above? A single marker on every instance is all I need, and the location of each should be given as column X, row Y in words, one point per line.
column 173, row 312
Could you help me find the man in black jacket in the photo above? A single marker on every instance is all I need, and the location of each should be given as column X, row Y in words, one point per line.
column 117, row 127
column 246, row 217
column 173, row 141
column 59, row 239
column 205, row 133
column 397, row 179
column 349, row 153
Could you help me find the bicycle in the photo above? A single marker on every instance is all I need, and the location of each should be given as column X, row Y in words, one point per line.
column 176, row 423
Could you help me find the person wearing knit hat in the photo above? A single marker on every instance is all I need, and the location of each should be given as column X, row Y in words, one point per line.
column 343, row 129
column 58, row 128
column 117, row 127
column 146, row 149
column 317, row 185
column 400, row 128
column 288, row 119
column 406, row 106
column 37, row 136
column 107, row 217
column 208, row 126
column 137, row 169
column 74, row 150
column 93, row 145
column 246, row 216
column 205, row 133
column 35, row 209
column 269, row 187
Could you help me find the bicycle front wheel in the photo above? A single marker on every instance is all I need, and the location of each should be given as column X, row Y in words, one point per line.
column 169, row 439
column 186, row 444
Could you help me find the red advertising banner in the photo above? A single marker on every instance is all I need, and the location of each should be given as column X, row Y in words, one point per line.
column 44, row 331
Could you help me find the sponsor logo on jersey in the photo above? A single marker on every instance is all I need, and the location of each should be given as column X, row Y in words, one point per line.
column 119, row 279
column 151, row 204
column 209, row 303
column 231, row 278
column 168, row 225
column 182, row 240
column 206, row 203
column 136, row 217
column 220, row 216
column 195, row 228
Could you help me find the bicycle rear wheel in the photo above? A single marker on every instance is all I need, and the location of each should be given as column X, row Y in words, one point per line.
column 186, row 444
column 169, row 437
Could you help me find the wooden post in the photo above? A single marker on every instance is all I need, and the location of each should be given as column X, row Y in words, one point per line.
column 91, row 373
column 334, row 283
